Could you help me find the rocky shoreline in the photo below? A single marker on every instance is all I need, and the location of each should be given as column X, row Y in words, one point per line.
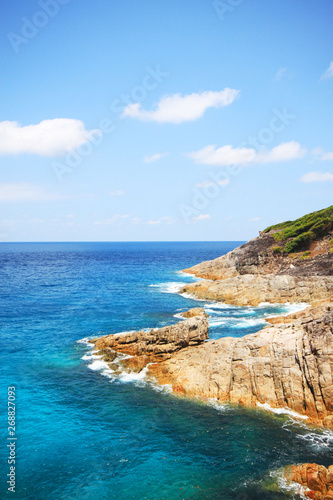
column 287, row 364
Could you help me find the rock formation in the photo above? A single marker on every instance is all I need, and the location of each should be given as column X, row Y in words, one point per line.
column 289, row 365
column 253, row 289
column 155, row 345
column 286, row 364
column 195, row 311
column 316, row 480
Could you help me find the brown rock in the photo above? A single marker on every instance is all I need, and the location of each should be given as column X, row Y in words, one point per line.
column 288, row 365
column 195, row 311
column 152, row 346
column 251, row 289
column 315, row 478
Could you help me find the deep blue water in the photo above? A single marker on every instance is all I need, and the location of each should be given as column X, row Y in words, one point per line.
column 84, row 435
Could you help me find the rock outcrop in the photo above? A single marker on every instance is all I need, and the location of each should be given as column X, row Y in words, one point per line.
column 288, row 365
column 316, row 480
column 155, row 345
column 195, row 311
column 253, row 289
column 262, row 271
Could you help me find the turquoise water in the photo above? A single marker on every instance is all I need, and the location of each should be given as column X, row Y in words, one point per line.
column 84, row 435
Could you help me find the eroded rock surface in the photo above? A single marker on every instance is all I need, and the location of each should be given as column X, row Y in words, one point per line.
column 316, row 480
column 155, row 345
column 288, row 365
column 253, row 289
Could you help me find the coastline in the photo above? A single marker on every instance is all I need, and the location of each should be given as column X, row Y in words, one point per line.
column 282, row 368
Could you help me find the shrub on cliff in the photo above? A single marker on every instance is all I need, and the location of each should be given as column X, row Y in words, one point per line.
column 299, row 233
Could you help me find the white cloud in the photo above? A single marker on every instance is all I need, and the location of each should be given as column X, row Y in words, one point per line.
column 227, row 155
column 119, row 192
column 201, row 217
column 321, row 155
column 26, row 192
column 286, row 151
column 153, row 222
column 47, row 138
column 254, row 219
column 177, row 108
column 317, row 177
column 279, row 74
column 167, row 220
column 111, row 220
column 328, row 73
column 327, row 156
column 155, row 157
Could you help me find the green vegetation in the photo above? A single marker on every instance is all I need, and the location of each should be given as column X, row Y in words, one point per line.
column 305, row 255
column 277, row 250
column 299, row 233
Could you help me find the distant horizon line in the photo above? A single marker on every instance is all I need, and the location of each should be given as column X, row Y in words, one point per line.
column 127, row 241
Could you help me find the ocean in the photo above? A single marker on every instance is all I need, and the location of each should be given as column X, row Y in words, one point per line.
column 83, row 433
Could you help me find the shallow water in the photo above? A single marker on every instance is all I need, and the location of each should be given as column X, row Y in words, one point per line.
column 85, row 435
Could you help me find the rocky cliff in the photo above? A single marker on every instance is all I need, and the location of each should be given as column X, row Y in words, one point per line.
column 289, row 262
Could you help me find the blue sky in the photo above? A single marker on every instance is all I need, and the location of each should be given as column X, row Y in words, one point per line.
column 158, row 120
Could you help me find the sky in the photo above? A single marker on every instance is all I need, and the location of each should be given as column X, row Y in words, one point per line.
column 163, row 120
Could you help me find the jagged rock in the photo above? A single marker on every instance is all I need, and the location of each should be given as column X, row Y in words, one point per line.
column 289, row 365
column 155, row 345
column 195, row 311
column 316, row 479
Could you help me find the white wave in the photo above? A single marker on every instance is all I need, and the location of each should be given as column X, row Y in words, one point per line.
column 220, row 305
column 97, row 365
column 86, row 342
column 192, row 297
column 217, row 404
column 134, row 377
column 288, row 486
column 102, row 367
column 323, row 439
column 281, row 411
column 218, row 322
column 182, row 273
column 169, row 286
column 179, row 316
column 90, row 355
column 245, row 323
